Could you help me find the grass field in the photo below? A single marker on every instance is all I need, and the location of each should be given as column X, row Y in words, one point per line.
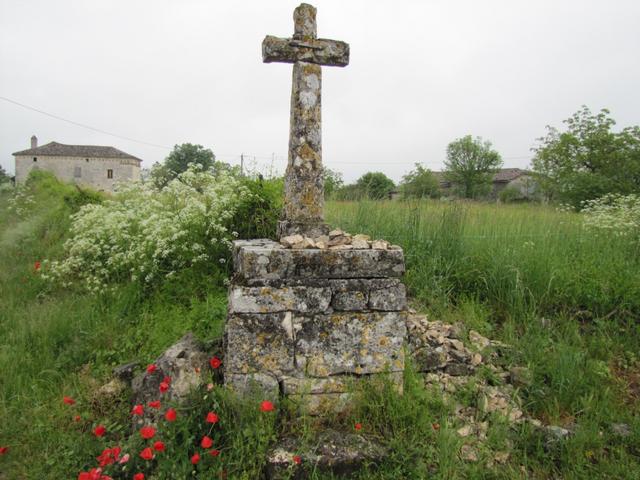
column 568, row 301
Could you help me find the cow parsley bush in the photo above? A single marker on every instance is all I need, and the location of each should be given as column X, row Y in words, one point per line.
column 146, row 234
column 614, row 214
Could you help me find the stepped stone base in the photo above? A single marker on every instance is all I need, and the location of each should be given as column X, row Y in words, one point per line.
column 307, row 323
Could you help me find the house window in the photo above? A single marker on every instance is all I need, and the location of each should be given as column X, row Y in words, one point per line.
column 35, row 159
column 109, row 173
column 77, row 172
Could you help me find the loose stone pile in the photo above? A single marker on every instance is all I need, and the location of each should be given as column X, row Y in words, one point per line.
column 305, row 322
column 336, row 240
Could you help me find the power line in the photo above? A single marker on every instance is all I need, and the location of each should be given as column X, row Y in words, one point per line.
column 88, row 127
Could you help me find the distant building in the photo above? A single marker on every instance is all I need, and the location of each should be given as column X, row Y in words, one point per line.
column 91, row 165
column 520, row 180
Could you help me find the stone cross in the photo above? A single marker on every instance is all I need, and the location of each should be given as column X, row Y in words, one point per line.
column 304, row 189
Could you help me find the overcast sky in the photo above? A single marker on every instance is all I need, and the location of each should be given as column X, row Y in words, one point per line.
column 422, row 74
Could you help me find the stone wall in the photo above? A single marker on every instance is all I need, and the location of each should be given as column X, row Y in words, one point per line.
column 93, row 171
column 307, row 322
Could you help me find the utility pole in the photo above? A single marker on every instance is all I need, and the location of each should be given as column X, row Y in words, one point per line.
column 242, row 164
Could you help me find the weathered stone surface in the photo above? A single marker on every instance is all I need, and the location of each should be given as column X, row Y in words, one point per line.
column 270, row 261
column 388, row 296
column 350, row 343
column 320, row 51
column 368, row 294
column 267, row 385
column 125, row 371
column 304, row 299
column 184, row 362
column 260, row 343
column 338, row 453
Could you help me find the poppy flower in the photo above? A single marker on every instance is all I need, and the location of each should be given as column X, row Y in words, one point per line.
column 138, row 476
column 125, row 458
column 37, row 266
column 206, row 442
column 3, row 450
column 108, row 456
column 68, row 400
column 147, row 432
column 195, row 458
column 154, row 404
column 158, row 446
column 358, row 426
column 137, row 410
column 435, row 426
column 167, row 380
column 214, row 452
column 77, row 418
column 146, row 454
column 170, row 415
column 99, row 431
column 93, row 474
column 212, row 418
column 215, row 363
column 151, row 368
column 164, row 387
column 266, row 406
column 297, row 459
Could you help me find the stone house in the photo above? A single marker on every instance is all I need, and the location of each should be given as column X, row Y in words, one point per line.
column 98, row 167
column 521, row 180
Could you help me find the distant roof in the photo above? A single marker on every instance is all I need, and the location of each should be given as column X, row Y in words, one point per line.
column 88, row 151
column 502, row 175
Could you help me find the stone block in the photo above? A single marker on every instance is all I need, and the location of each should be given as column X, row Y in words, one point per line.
column 266, row 260
column 259, row 343
column 349, row 343
column 242, row 384
column 271, row 299
column 389, row 295
column 368, row 294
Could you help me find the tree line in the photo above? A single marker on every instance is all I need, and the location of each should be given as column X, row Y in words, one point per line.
column 586, row 160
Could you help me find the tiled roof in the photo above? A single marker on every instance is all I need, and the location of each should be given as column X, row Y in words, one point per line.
column 88, row 151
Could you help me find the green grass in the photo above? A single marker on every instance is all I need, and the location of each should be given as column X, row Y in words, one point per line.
column 567, row 301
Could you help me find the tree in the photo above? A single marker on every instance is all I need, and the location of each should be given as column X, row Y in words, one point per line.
column 3, row 175
column 470, row 164
column 179, row 159
column 588, row 160
column 332, row 181
column 375, row 185
column 420, row 183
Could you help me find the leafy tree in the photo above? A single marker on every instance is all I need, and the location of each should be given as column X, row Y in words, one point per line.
column 375, row 185
column 470, row 164
column 349, row 192
column 3, row 175
column 178, row 161
column 588, row 160
column 420, row 183
column 332, row 181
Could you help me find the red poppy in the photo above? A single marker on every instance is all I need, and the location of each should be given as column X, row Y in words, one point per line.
column 266, row 406
column 68, row 400
column 297, row 459
column 212, row 418
column 158, row 446
column 99, row 431
column 138, row 476
column 195, row 458
column 147, row 432
column 146, row 454
column 215, row 363
column 214, row 452
column 358, row 426
column 137, row 410
column 77, row 418
column 37, row 266
column 93, row 474
column 151, row 368
column 109, row 456
column 170, row 415
column 154, row 404
column 167, row 380
column 206, row 442
column 3, row 450
column 435, row 426
column 164, row 386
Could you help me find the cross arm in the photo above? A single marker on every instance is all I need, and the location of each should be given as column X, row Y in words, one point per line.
column 319, row 50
